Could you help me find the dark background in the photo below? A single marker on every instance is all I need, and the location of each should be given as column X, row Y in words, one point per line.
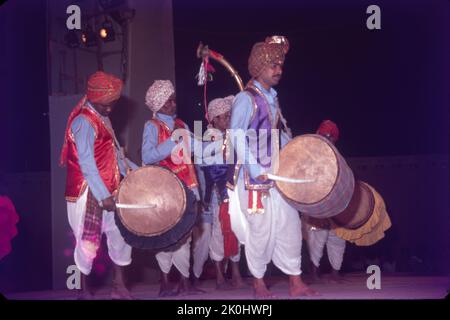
column 386, row 89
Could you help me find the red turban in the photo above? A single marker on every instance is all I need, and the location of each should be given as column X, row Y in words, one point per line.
column 329, row 129
column 103, row 88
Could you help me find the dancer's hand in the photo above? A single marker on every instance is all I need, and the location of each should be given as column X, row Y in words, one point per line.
column 108, row 204
column 262, row 177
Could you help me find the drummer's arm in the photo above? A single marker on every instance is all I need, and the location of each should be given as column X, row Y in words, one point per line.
column 84, row 135
column 241, row 115
column 124, row 166
column 152, row 152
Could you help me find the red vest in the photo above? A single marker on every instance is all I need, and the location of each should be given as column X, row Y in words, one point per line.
column 104, row 154
column 185, row 172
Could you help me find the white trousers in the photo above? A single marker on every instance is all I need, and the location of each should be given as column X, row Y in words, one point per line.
column 210, row 241
column 119, row 251
column 274, row 235
column 317, row 239
column 179, row 257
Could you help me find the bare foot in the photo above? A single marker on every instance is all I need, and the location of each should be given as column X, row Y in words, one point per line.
column 261, row 291
column 165, row 290
column 238, row 283
column 195, row 290
column 121, row 293
column 185, row 288
column 298, row 288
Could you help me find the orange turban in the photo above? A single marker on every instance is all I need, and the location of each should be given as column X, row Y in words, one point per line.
column 272, row 50
column 103, row 88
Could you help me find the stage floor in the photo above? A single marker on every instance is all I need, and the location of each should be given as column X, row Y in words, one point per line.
column 392, row 287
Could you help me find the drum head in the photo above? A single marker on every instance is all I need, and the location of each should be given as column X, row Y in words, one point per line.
column 151, row 185
column 308, row 156
column 359, row 209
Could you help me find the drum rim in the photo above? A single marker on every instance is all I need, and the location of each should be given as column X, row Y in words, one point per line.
column 167, row 228
column 338, row 174
column 365, row 186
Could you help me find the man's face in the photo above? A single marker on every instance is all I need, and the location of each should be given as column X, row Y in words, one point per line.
column 271, row 75
column 222, row 122
column 105, row 109
column 170, row 107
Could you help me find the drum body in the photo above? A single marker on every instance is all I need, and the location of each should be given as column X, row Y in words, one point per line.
column 171, row 217
column 359, row 210
column 312, row 156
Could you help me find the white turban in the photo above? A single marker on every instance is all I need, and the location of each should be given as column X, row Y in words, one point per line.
column 219, row 106
column 158, row 94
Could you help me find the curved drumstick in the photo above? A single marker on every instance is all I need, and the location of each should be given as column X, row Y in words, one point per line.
column 135, row 206
column 290, row 180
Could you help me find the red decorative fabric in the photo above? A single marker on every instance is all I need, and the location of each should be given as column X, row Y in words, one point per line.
column 230, row 242
column 104, row 154
column 8, row 221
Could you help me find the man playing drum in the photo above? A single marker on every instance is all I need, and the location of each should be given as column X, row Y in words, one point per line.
column 273, row 231
column 318, row 231
column 95, row 163
column 157, row 147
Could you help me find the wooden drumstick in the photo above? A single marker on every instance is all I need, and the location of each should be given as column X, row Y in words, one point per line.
column 290, row 180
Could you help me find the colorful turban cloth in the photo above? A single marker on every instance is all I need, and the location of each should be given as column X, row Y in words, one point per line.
column 329, row 130
column 8, row 221
column 219, row 106
column 272, row 50
column 158, row 94
column 103, row 88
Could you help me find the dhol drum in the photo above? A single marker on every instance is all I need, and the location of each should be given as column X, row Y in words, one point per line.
column 312, row 156
column 154, row 208
column 359, row 210
column 373, row 229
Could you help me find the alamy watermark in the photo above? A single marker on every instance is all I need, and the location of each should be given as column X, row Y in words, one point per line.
column 213, row 147
column 374, row 280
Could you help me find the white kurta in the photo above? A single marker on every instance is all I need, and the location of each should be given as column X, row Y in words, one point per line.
column 317, row 239
column 274, row 235
column 119, row 251
column 210, row 241
column 179, row 257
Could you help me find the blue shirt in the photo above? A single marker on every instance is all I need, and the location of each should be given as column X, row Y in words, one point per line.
column 152, row 151
column 241, row 115
column 84, row 135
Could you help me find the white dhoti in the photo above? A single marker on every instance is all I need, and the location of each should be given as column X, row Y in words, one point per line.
column 119, row 251
column 179, row 257
column 210, row 241
column 317, row 239
column 274, row 235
